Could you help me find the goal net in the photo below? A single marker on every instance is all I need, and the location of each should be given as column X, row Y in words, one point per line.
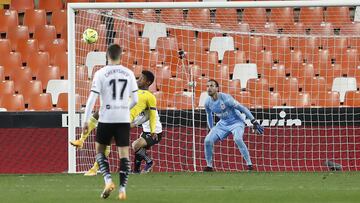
column 296, row 67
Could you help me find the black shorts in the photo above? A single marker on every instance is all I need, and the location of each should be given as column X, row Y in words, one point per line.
column 120, row 131
column 149, row 140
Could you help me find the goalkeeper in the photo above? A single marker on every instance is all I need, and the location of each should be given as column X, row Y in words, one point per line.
column 147, row 102
column 229, row 111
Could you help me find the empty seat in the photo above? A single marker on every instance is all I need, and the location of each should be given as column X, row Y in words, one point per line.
column 16, row 33
column 230, row 86
column 40, row 102
column 50, row 6
column 61, row 60
column 59, row 20
column 12, row 102
column 298, row 99
column 221, row 72
column 182, row 101
column 29, row 88
column 266, row 99
column 58, row 45
column 48, row 73
column 21, row 5
column 10, row 61
column 243, row 72
column 259, row 84
column 311, row 16
column 45, row 35
column 153, row 31
column 339, row 16
column 25, row 47
column 2, row 75
column 244, row 98
column 283, row 17
column 93, row 59
column 171, row 16
column 255, row 17
column 7, row 18
column 202, row 99
column 7, row 87
column 222, row 44
column 352, row 98
column 305, row 71
column 163, row 101
column 21, row 76
column 5, row 46
column 328, row 99
column 38, row 61
column 34, row 18
column 164, row 44
column 286, row 85
column 199, row 17
column 342, row 85
column 227, row 17
column 172, row 85
column 55, row 87
column 233, row 57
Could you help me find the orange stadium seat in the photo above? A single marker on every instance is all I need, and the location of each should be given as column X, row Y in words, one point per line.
column 13, row 102
column 21, row 76
column 244, row 98
column 227, row 17
column 5, row 46
column 166, row 43
column 82, row 73
column 48, row 73
column 230, row 86
column 10, row 61
column 34, row 18
column 25, row 47
column 63, row 101
column 339, row 16
column 233, row 57
column 58, row 45
column 200, row 85
column 61, row 61
column 273, row 73
column 293, row 60
column 136, row 69
column 194, row 71
column 22, row 5
column 353, row 28
column 144, row 14
column 59, row 20
column 199, row 17
column 350, row 60
column 266, row 99
column 298, row 99
column 45, row 35
column 182, row 101
column 335, row 45
column 162, row 73
column 287, row 85
column 163, row 100
column 221, row 72
column 352, row 98
column 263, row 59
column 38, row 61
column 259, row 84
column 172, row 85
column 307, row 45
column 29, row 88
column 16, row 33
column 8, row 18
column 139, row 45
column 50, row 6
column 279, row 46
column 2, row 75
column 7, row 87
column 40, row 102
column 313, row 85
column 311, row 16
column 255, row 17
column 283, row 17
column 328, row 99
column 305, row 71
column 321, row 60
column 82, row 88
column 171, row 16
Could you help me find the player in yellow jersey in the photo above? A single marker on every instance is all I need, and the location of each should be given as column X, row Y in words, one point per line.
column 146, row 102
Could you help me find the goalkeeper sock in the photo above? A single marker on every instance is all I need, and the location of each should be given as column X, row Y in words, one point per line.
column 104, row 167
column 243, row 149
column 92, row 125
column 124, row 171
column 142, row 153
column 209, row 143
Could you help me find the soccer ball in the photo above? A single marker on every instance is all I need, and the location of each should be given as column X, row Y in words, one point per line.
column 90, row 36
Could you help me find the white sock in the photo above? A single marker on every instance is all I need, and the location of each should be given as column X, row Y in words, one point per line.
column 122, row 189
column 108, row 179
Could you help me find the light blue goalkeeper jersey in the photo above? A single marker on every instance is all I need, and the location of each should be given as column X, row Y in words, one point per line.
column 227, row 109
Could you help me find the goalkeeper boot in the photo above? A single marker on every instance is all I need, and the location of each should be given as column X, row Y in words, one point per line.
column 122, row 195
column 77, row 143
column 92, row 171
column 250, row 167
column 148, row 167
column 107, row 190
column 208, row 169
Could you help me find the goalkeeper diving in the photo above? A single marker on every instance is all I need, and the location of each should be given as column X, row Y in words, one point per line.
column 143, row 113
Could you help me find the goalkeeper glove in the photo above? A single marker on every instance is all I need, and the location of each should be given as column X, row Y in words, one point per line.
column 256, row 126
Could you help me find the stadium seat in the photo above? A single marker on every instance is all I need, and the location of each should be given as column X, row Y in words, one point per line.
column 29, row 88
column 50, row 6
column 350, row 61
column 201, row 83
column 202, row 99
column 244, row 98
column 164, row 44
column 10, row 61
column 21, row 76
column 93, row 59
column 335, row 45
column 328, row 99
column 230, row 86
column 13, row 102
column 48, row 73
column 7, row 87
column 222, row 44
column 34, row 18
column 287, row 85
column 182, row 101
column 293, row 60
column 2, row 74
column 58, row 45
column 8, row 18
column 25, row 47
column 199, row 17
column 313, row 86
column 242, row 27
column 243, row 72
column 273, row 74
column 263, row 59
column 305, row 71
column 195, row 71
column 279, row 46
column 342, row 85
column 55, row 87
column 227, row 17
column 352, row 29
column 339, row 16
column 233, row 57
column 352, row 98
column 63, row 102
column 38, row 61
column 81, row 73
column 22, row 5
column 259, row 84
column 45, row 35
column 312, row 17
column 221, row 72
column 128, row 59
column 82, row 88
column 255, row 17
column 298, row 99
column 138, row 45
column 266, row 99
column 5, row 46
column 171, row 16
column 16, row 33
column 59, row 20
column 321, row 60
column 283, row 17
column 40, row 102
column 153, row 31
column 163, row 101
column 172, row 85
column 147, row 15
column 307, row 45
column 61, row 61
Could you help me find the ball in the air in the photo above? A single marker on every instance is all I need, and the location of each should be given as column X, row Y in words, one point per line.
column 90, row 36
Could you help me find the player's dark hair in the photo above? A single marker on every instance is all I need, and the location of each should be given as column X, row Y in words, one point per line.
column 216, row 82
column 149, row 76
column 114, row 52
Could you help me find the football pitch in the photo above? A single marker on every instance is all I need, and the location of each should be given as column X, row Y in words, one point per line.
column 187, row 187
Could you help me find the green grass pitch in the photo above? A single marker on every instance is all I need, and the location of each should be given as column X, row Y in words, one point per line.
column 187, row 187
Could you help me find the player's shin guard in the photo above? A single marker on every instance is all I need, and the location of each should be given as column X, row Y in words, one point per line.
column 243, row 150
column 92, row 125
column 124, row 172
column 103, row 162
column 142, row 153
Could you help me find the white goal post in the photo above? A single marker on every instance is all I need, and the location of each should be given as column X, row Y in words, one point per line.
column 269, row 152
